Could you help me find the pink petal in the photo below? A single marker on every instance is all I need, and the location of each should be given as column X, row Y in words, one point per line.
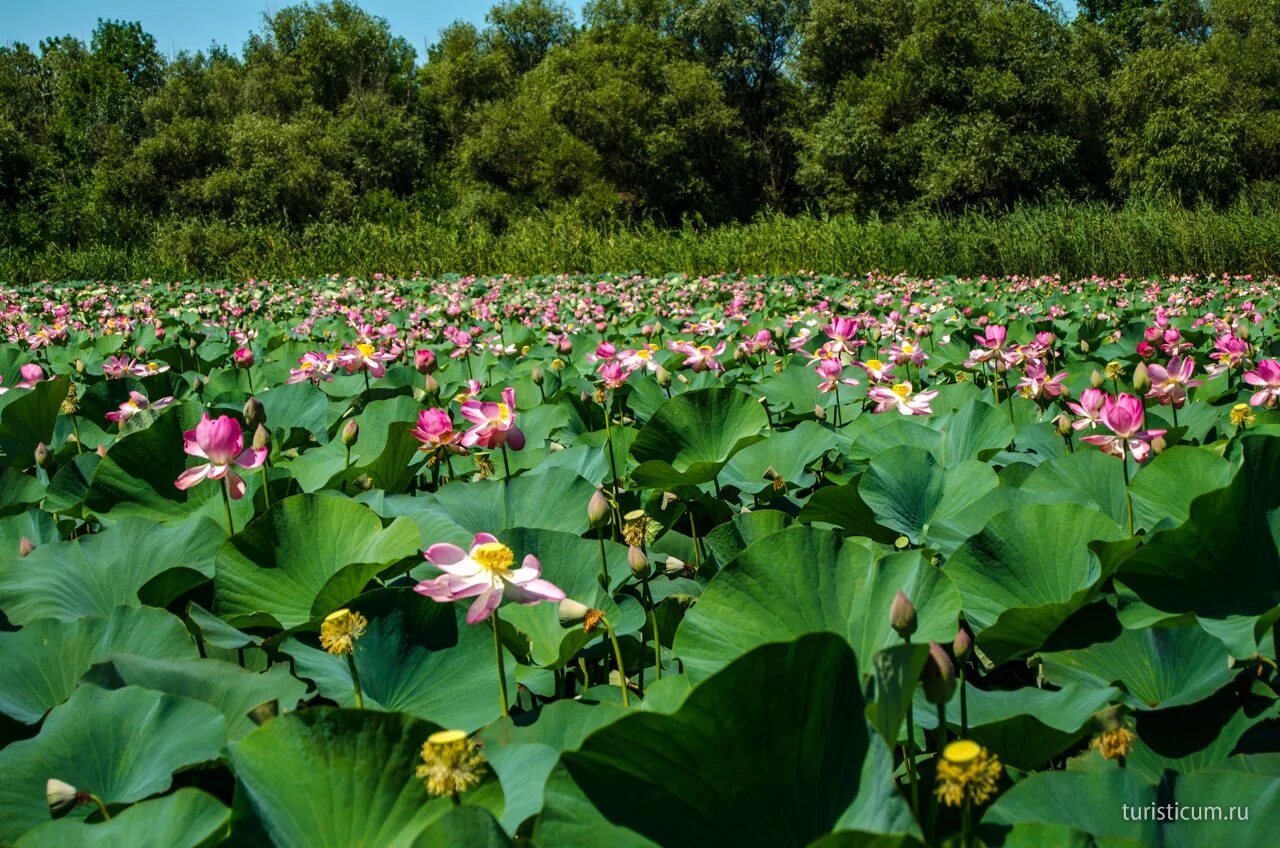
column 483, row 539
column 515, row 438
column 191, row 476
column 252, row 458
column 235, row 485
column 442, row 553
column 484, row 605
column 535, row 591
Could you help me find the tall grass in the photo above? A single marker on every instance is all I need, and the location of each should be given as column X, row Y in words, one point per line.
column 1071, row 239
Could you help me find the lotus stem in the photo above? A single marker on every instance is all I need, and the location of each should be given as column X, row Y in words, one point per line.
column 1128, row 498
column 502, row 672
column 941, row 737
column 657, row 638
column 226, row 507
column 908, row 760
column 102, row 808
column 355, row 679
column 617, row 654
column 604, row 561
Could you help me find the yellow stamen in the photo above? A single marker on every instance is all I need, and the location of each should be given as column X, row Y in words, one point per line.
column 366, row 350
column 902, row 390
column 494, row 557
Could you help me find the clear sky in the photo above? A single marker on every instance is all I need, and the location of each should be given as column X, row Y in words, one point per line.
column 179, row 25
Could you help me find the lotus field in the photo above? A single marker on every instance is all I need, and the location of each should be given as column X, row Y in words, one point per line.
column 630, row 561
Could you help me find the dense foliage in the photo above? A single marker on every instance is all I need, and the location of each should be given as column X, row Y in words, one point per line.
column 581, row 561
column 645, row 111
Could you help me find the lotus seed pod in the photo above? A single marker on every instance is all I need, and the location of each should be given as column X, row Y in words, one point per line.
column 902, row 615
column 939, row 677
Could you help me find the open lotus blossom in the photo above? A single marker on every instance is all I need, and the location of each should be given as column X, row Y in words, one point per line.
column 1228, row 352
column 907, row 351
column 117, row 367
column 220, row 441
column 613, row 373
column 1125, row 416
column 640, row 358
column 1036, row 382
column 485, row 573
column 1266, row 377
column 876, row 370
column 900, row 397
column 435, row 430
column 364, row 356
column 148, row 369
column 31, row 374
column 830, row 370
column 701, row 357
column 1170, row 385
column 1089, row 409
column 135, row 404
column 495, row 423
column 990, row 348
column 313, row 366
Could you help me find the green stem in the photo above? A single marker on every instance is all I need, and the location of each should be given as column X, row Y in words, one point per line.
column 966, row 824
column 964, row 706
column 586, row 677
column 506, row 466
column 502, row 672
column 617, row 653
column 1128, row 498
column 355, row 679
column 75, row 425
column 908, row 759
column 226, row 506
column 102, row 808
column 941, row 737
column 657, row 637
column 365, row 372
column 266, row 489
column 604, row 560
column 693, row 528
column 1174, row 407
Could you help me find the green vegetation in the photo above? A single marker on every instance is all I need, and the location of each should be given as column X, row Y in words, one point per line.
column 907, row 134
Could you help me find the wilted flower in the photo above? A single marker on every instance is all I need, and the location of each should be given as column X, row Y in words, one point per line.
column 1114, row 744
column 451, row 763
column 340, row 630
column 967, row 772
column 486, row 573
column 1242, row 415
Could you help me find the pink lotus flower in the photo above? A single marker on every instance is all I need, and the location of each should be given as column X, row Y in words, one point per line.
column 148, row 369
column 640, row 358
column 1228, row 352
column 830, row 370
column 117, row 367
column 135, row 404
column 907, row 351
column 485, row 573
column 1125, row 416
column 31, row 374
column 435, row 430
column 1170, row 384
column 222, row 443
column 1037, row 383
column 603, row 351
column 876, row 370
column 990, row 348
column 365, row 356
column 424, row 361
column 900, row 397
column 702, row 357
column 1267, row 378
column 1089, row 409
column 613, row 374
column 243, row 358
column 842, row 331
column 495, row 423
column 313, row 366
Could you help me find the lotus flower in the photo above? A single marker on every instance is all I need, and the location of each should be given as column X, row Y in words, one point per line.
column 1170, row 384
column 486, row 574
column 135, row 404
column 1267, row 378
column 1125, row 416
column 640, row 358
column 116, row 367
column 876, row 370
column 148, row 369
column 365, row 356
column 435, row 430
column 613, row 373
column 1037, row 383
column 313, row 366
column 830, row 370
column 222, row 443
column 900, row 397
column 1228, row 352
column 495, row 423
column 702, row 357
column 1089, row 409
column 31, row 374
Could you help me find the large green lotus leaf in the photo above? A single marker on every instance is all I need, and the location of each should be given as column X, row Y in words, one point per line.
column 44, row 660
column 1159, row 667
column 122, row 745
column 473, row 827
column 555, row 500
column 897, row 670
column 19, row 492
column 1164, row 488
column 188, row 818
column 787, row 453
column 136, row 477
column 687, row 779
column 1222, row 564
column 383, row 451
column 1027, row 727
column 596, row 443
column 93, row 574
column 804, row 580
column 34, row 525
column 70, row 485
column 844, row 508
column 523, row 757
column 909, row 492
column 296, row 406
column 1091, row 802
column 308, row 555
column 1087, row 476
column 1033, row 835
column 232, row 690
column 570, row 820
column 691, row 437
column 27, row 418
column 1027, row 571
column 573, row 564
column 872, row 434
column 328, row 778
column 974, row 430
column 795, row 389
column 418, row 657
column 1233, row 793
column 731, row 538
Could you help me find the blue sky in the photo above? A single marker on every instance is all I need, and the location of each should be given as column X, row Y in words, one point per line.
column 180, row 25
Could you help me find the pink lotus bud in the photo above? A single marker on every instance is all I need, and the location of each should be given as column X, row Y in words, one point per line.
column 597, row 509
column 424, row 361
column 939, row 676
column 962, row 644
column 43, row 458
column 902, row 615
column 243, row 358
column 350, row 432
column 25, row 547
column 638, row 561
column 254, row 413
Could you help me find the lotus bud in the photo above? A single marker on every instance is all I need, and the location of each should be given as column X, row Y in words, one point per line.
column 139, row 351
column 1158, row 444
column 1063, row 424
column 431, row 386
column 538, row 378
column 638, row 561
column 79, row 366
column 350, row 432
column 1084, row 346
column 597, row 509
column 572, row 613
column 902, row 616
column 25, row 547
column 425, row 361
column 1141, row 380
column 261, row 437
column 198, row 384
column 62, row 797
column 675, row 567
column 254, row 413
column 962, row 644
column 663, row 376
column 102, row 451
column 1095, row 379
column 939, row 676
column 820, row 412
column 243, row 358
column 43, row 458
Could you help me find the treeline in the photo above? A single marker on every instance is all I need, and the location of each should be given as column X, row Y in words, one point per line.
column 661, row 113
